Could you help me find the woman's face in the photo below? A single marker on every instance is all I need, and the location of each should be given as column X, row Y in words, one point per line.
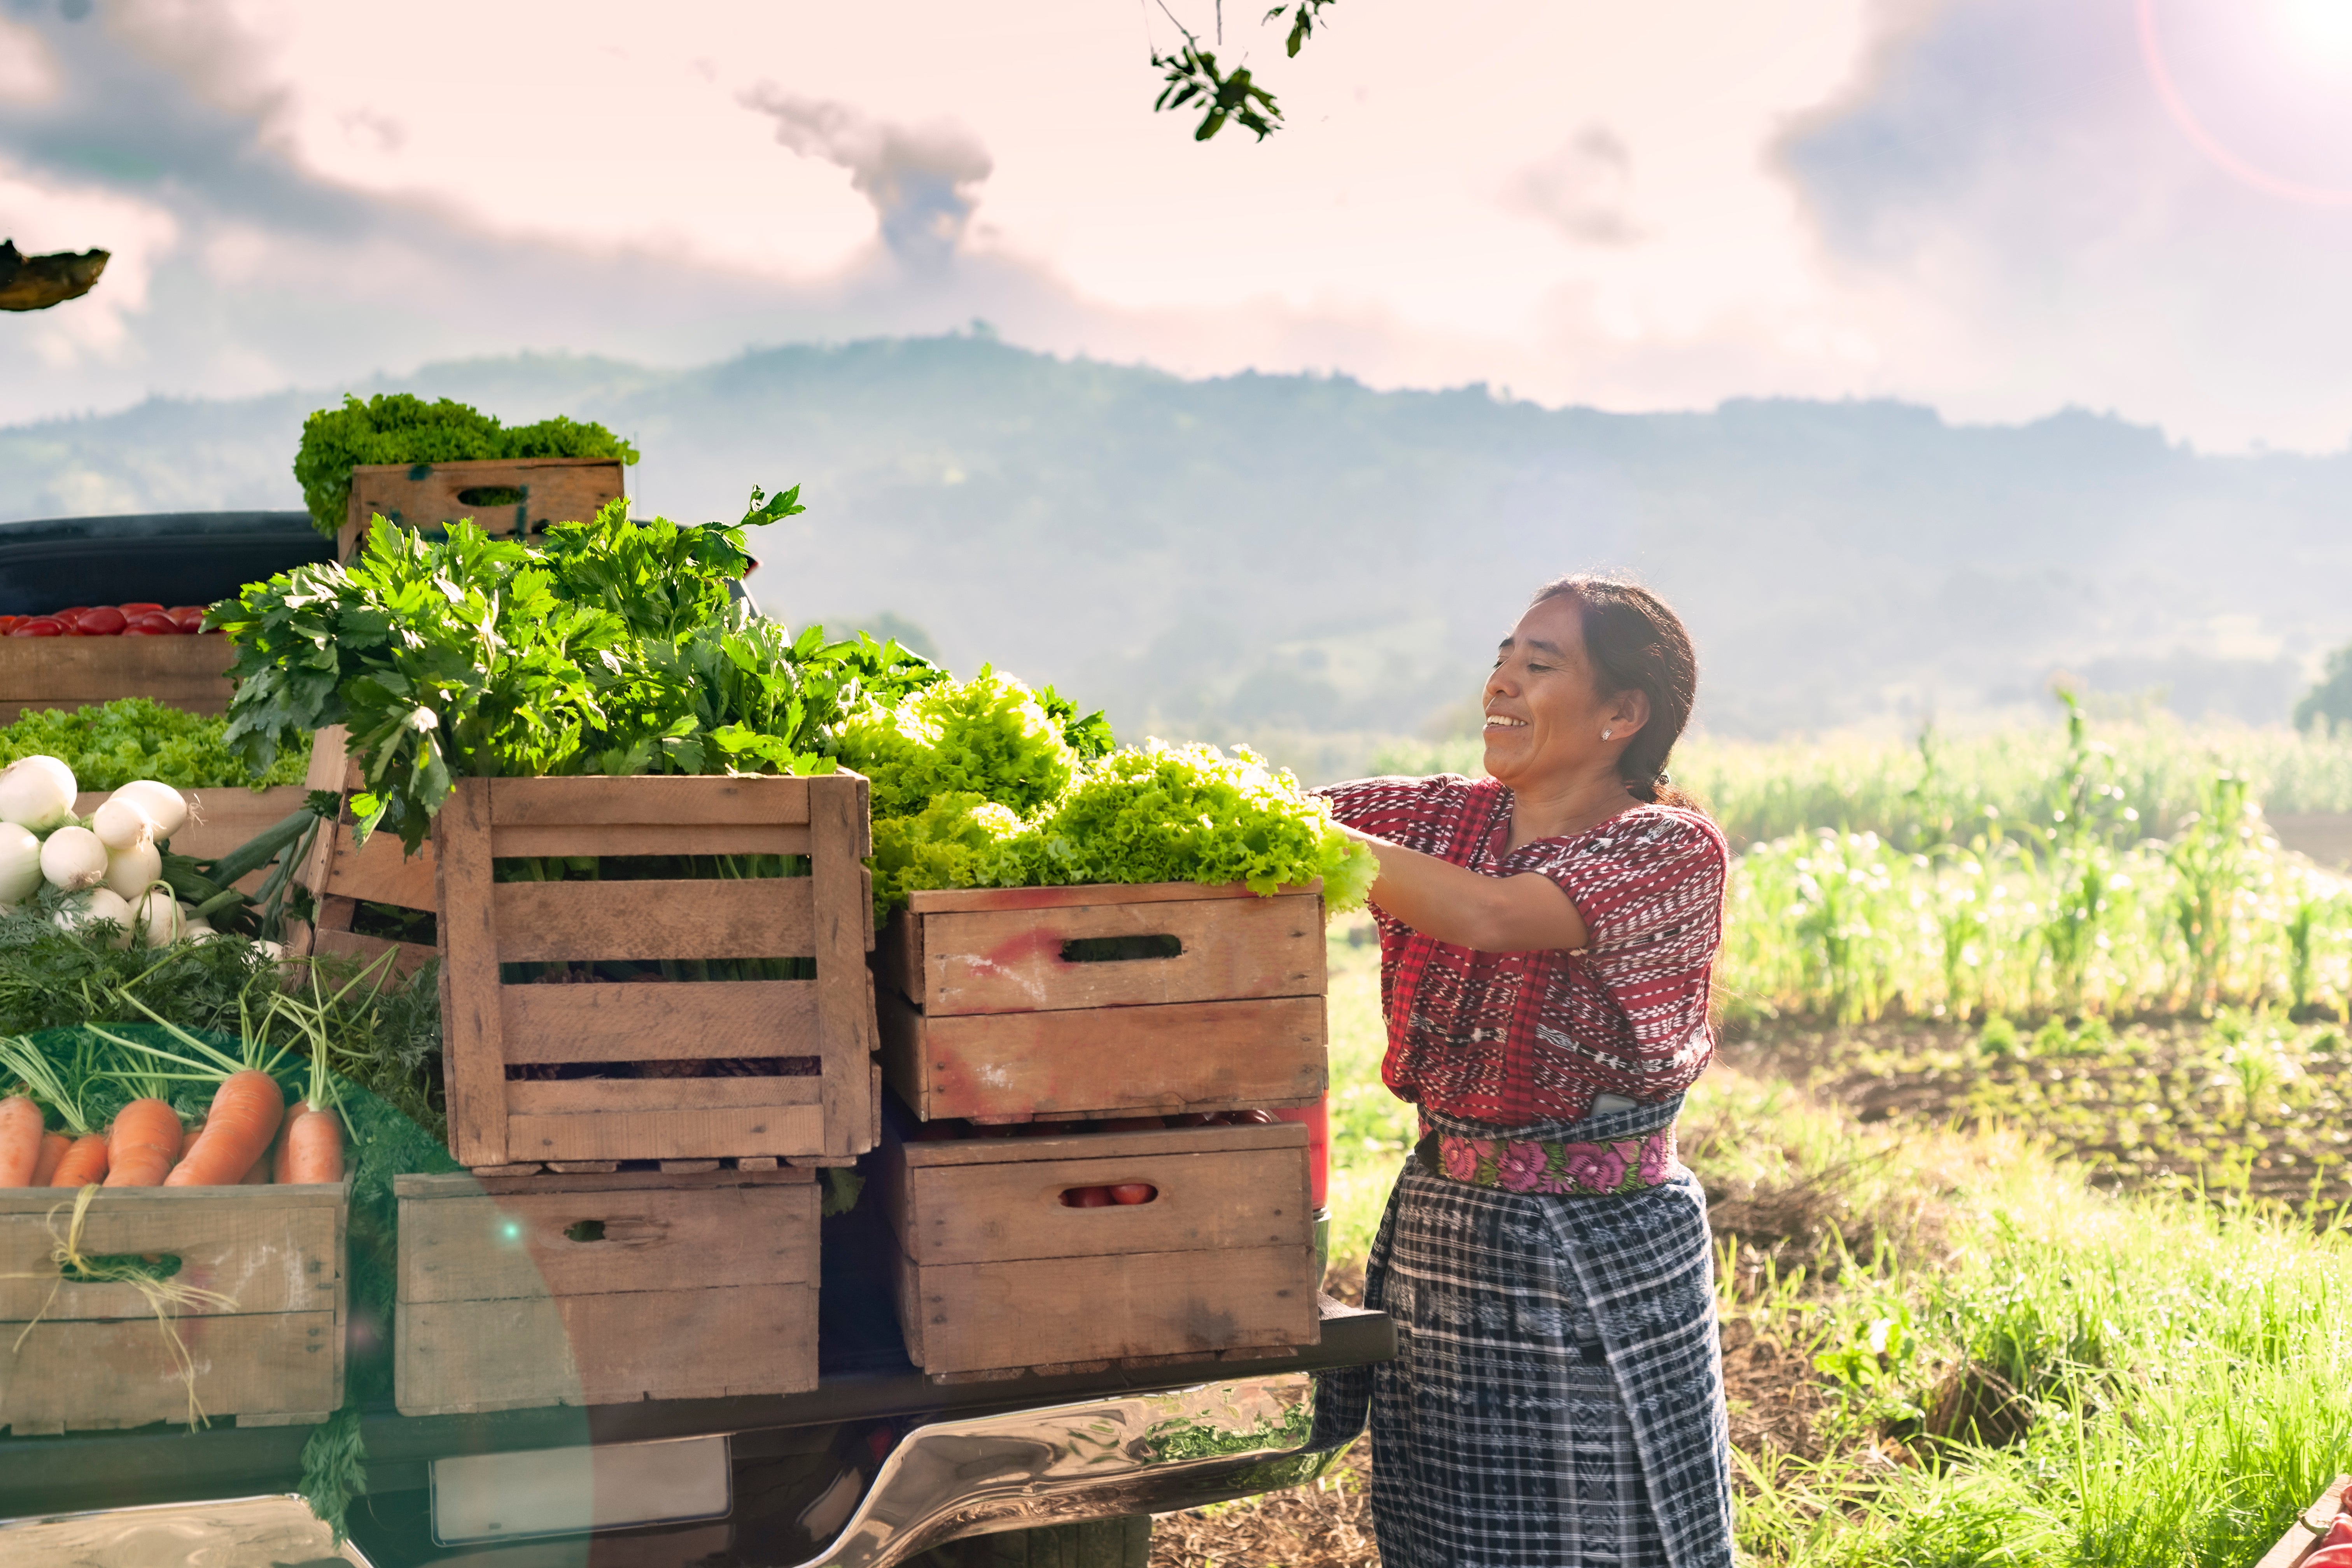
column 1544, row 717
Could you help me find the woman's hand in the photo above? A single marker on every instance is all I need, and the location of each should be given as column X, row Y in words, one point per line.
column 1525, row 913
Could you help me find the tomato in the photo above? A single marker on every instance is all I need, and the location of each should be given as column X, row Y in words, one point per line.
column 8, row 624
column 105, row 621
column 1134, row 1125
column 2330, row 1557
column 70, row 611
column 2338, row 1533
column 129, row 610
column 1251, row 1119
column 1086, row 1198
column 155, row 624
column 191, row 617
column 39, row 626
column 1129, row 1192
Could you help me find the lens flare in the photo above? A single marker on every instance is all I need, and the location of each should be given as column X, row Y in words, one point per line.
column 2314, row 19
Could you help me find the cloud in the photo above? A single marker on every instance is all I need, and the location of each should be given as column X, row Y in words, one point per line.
column 1584, row 188
column 920, row 179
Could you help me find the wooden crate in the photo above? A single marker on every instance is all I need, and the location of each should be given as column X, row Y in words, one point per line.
column 498, row 1118
column 95, row 1358
column 983, row 1017
column 432, row 495
column 520, row 1292
column 341, row 875
column 2304, row 1534
column 996, row 1273
column 219, row 820
column 190, row 672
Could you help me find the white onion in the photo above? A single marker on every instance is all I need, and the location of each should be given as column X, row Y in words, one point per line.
column 130, row 872
column 73, row 858
column 120, row 823
column 161, row 805
column 198, row 930
column 98, row 904
column 20, row 863
column 156, row 919
column 37, row 792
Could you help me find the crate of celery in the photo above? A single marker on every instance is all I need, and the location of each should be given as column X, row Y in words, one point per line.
column 1077, row 931
column 533, row 712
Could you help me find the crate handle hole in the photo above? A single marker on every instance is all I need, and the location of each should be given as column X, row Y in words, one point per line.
column 492, row 495
column 1118, row 1194
column 585, row 1230
column 114, row 1268
column 1121, row 949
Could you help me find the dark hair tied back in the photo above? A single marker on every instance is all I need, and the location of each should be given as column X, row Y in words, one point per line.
column 1635, row 642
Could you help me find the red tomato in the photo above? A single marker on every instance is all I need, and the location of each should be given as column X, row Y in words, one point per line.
column 39, row 626
column 191, row 617
column 155, row 624
column 1129, row 1193
column 1134, row 1125
column 2330, row 1557
column 129, row 610
column 8, row 624
column 2338, row 1533
column 105, row 621
column 69, row 610
column 1086, row 1198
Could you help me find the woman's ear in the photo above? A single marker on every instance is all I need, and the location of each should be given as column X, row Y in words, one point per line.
column 1629, row 710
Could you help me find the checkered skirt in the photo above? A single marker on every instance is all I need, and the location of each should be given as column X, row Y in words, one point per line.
column 1557, row 1397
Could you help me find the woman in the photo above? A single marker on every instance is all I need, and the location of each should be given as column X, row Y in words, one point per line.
column 1547, row 936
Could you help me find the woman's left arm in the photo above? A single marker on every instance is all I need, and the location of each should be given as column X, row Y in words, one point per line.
column 1525, row 913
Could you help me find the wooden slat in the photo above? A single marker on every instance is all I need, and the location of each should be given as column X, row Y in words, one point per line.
column 948, row 900
column 117, row 1374
column 523, row 1353
column 964, row 1317
column 558, row 1096
column 844, row 1008
column 379, row 871
column 330, row 753
column 411, row 956
column 70, row 672
column 783, row 1130
column 472, row 1021
column 1127, row 1061
column 425, row 495
column 270, row 1248
column 720, row 800
column 522, row 1245
column 1096, row 1146
column 461, row 1185
column 767, row 917
column 663, row 839
column 220, row 820
column 1010, row 961
column 1207, row 1201
column 619, row 1023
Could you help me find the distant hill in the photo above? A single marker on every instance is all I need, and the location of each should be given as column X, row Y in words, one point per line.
column 1281, row 558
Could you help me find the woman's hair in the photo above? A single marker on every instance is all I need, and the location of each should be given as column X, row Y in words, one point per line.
column 1635, row 642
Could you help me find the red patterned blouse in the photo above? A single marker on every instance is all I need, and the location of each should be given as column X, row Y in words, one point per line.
column 1513, row 1038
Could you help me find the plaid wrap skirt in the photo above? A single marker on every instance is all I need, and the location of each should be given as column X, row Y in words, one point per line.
column 1556, row 1398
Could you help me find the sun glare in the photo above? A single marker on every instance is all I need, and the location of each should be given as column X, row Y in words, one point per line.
column 2321, row 27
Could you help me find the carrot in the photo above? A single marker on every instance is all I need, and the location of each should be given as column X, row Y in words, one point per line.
column 84, row 1162
column 20, row 1140
column 258, row 1174
column 313, row 1149
column 53, row 1149
column 144, row 1143
column 244, row 1114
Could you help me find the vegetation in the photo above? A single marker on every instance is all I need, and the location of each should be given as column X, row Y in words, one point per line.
column 2328, row 704
column 107, row 744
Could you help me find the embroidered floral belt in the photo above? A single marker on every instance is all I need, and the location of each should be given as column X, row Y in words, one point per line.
column 1577, row 1170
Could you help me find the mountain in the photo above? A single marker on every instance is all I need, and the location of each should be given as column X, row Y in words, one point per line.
column 1307, row 562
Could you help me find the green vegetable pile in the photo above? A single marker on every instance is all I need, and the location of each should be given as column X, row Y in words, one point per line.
column 107, row 744
column 618, row 649
column 397, row 427
column 985, row 784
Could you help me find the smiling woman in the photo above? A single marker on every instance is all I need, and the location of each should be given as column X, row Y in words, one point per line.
column 1547, row 939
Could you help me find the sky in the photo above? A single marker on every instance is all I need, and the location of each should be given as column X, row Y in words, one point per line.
column 1999, row 208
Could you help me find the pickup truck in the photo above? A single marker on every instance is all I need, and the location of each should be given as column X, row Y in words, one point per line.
column 877, row 1465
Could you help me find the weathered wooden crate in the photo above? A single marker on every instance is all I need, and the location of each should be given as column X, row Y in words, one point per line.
column 95, row 1358
column 190, row 672
column 993, row 1006
column 604, row 1290
column 500, row 1041
column 434, row 495
column 341, row 875
column 996, row 1273
column 2304, row 1535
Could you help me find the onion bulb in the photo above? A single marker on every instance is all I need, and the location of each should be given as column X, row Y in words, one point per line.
column 121, row 823
column 37, row 792
column 73, row 858
column 156, row 919
column 98, row 904
column 131, row 871
column 161, row 805
column 20, row 863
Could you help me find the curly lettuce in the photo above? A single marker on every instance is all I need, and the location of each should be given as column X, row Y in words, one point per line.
column 989, row 736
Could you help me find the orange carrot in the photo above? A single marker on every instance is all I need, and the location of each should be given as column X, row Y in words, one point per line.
column 84, row 1162
column 53, row 1149
column 313, row 1149
column 244, row 1118
column 258, row 1174
column 144, row 1142
column 20, row 1140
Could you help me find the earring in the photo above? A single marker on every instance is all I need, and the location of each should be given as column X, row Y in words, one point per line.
column 1606, row 733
